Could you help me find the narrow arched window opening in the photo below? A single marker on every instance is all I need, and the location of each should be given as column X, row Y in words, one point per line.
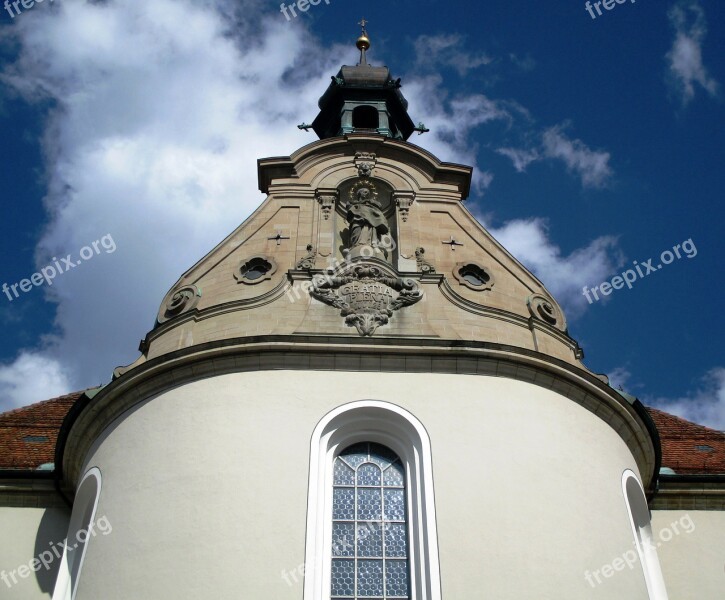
column 365, row 117
column 639, row 518
column 79, row 531
column 369, row 529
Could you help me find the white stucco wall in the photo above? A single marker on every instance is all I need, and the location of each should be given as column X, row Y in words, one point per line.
column 691, row 547
column 27, row 534
column 206, row 488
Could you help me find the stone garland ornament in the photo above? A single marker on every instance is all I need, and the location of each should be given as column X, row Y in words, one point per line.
column 404, row 200
column 366, row 295
column 307, row 262
column 404, row 207
column 327, row 203
column 180, row 301
column 541, row 308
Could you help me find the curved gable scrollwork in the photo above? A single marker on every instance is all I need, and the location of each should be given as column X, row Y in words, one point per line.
column 543, row 309
column 178, row 301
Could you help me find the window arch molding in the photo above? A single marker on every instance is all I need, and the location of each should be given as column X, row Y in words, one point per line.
column 392, row 426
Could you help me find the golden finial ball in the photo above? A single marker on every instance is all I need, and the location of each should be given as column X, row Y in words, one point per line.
column 363, row 43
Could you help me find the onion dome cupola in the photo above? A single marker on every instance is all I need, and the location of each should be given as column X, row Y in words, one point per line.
column 364, row 99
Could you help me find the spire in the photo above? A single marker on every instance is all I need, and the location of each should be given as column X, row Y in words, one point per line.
column 363, row 42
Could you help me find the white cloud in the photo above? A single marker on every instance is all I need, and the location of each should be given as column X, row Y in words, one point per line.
column 31, row 378
column 619, row 377
column 563, row 275
column 705, row 405
column 451, row 121
column 447, row 50
column 521, row 158
column 591, row 166
column 525, row 63
column 685, row 57
column 456, row 116
column 160, row 111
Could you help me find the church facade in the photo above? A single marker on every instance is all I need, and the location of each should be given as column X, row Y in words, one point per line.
column 359, row 393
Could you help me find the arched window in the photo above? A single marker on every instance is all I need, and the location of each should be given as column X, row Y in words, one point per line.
column 369, row 525
column 79, row 530
column 365, row 117
column 367, row 537
column 639, row 518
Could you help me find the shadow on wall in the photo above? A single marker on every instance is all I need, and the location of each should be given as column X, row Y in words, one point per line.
column 52, row 531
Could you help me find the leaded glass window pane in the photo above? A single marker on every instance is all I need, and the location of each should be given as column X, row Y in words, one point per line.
column 344, row 474
column 369, row 530
column 370, row 540
column 343, row 577
column 369, row 504
column 343, row 504
column 394, row 505
column 396, row 544
column 343, row 535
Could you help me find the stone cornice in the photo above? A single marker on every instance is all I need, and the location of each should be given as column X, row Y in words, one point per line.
column 291, row 167
column 29, row 490
column 690, row 492
column 88, row 419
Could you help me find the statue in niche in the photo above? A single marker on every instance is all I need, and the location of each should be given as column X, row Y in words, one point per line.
column 369, row 233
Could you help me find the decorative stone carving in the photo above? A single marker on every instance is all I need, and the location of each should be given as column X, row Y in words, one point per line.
column 256, row 269
column 365, row 163
column 473, row 276
column 404, row 200
column 423, row 265
column 369, row 232
column 367, row 295
column 541, row 308
column 307, row 262
column 179, row 301
column 327, row 202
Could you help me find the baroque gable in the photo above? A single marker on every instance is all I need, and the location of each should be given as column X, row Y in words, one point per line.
column 361, row 235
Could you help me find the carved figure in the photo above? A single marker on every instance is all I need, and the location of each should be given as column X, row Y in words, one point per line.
column 368, row 225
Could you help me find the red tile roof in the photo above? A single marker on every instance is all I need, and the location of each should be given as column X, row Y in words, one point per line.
column 28, row 435
column 680, row 440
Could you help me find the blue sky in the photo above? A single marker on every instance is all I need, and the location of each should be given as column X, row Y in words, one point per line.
column 595, row 142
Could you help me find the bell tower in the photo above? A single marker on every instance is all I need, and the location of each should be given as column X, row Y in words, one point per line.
column 364, row 99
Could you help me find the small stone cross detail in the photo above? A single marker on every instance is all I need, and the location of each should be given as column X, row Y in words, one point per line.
column 452, row 243
column 279, row 237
